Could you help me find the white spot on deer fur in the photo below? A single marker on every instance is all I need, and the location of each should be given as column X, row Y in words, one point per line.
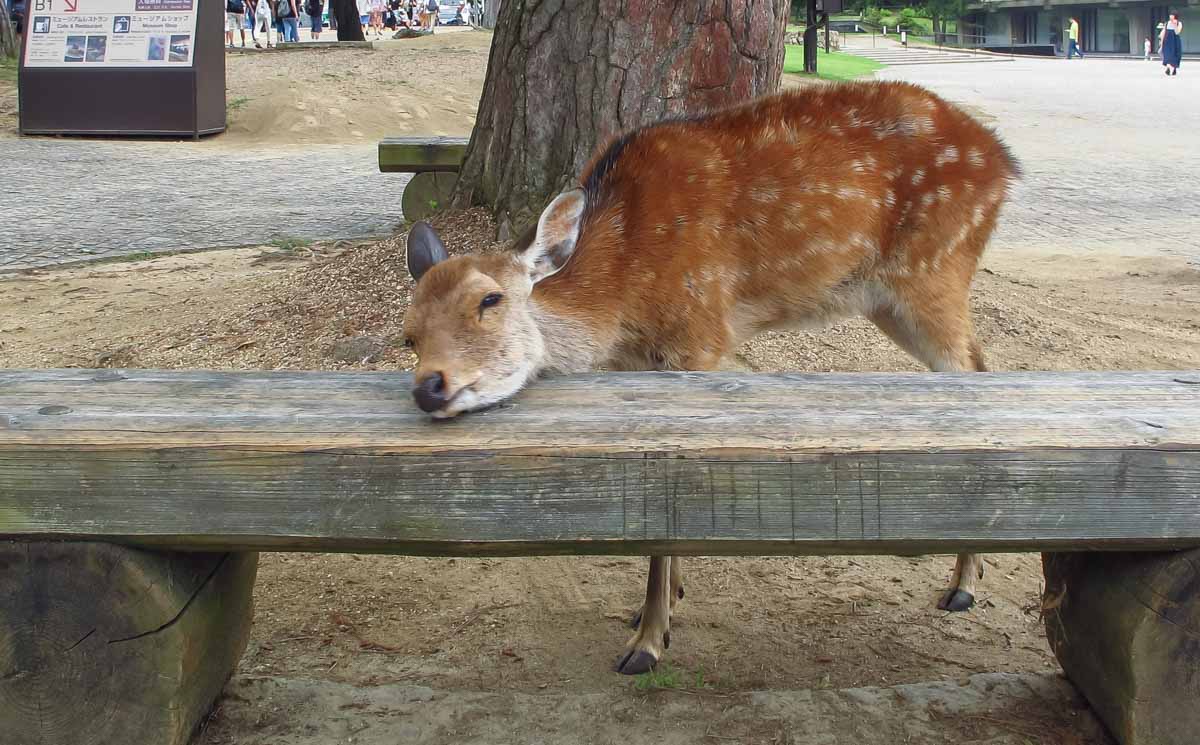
column 928, row 199
column 944, row 192
column 851, row 192
column 764, row 194
column 870, row 162
column 975, row 157
column 977, row 216
column 914, row 126
column 948, row 155
column 858, row 166
column 893, row 174
column 918, row 176
column 889, row 198
column 834, row 130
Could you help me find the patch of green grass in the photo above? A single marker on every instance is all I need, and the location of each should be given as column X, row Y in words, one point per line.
column 289, row 243
column 832, row 66
column 237, row 103
column 665, row 677
column 8, row 70
column 129, row 258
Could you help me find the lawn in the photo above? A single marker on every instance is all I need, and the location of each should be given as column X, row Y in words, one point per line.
column 8, row 70
column 832, row 66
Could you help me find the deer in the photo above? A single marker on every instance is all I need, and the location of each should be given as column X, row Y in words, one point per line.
column 684, row 238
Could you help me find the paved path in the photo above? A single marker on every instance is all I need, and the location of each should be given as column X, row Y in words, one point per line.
column 73, row 200
column 1111, row 162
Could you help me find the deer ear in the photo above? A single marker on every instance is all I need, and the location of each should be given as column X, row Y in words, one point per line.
column 557, row 233
column 424, row 249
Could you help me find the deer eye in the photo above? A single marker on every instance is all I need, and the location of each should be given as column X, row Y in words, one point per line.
column 490, row 300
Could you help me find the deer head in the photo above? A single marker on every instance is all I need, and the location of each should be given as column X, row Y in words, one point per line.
column 471, row 322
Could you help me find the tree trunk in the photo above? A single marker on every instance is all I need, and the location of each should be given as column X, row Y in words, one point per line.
column 491, row 13
column 348, row 26
column 565, row 76
column 8, row 38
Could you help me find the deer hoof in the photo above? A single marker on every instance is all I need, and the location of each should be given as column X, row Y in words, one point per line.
column 956, row 600
column 636, row 661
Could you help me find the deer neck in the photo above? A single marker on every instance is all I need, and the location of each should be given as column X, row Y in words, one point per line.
column 574, row 338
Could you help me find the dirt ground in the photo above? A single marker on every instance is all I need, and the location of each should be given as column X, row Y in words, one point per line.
column 553, row 626
column 426, row 86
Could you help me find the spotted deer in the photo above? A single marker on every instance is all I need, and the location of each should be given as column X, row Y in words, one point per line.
column 686, row 238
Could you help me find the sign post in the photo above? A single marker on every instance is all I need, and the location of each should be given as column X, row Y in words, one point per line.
column 121, row 67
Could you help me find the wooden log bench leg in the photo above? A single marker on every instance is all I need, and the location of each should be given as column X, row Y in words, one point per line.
column 1126, row 629
column 426, row 193
column 101, row 643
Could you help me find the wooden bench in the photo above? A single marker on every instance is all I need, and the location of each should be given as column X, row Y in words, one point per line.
column 435, row 161
column 131, row 503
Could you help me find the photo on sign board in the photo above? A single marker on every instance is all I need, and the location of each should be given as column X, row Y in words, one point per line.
column 76, row 49
column 181, row 47
column 158, row 49
column 121, row 25
column 97, row 46
column 41, row 24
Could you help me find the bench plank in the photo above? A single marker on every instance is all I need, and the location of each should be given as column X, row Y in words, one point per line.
column 679, row 463
column 422, row 154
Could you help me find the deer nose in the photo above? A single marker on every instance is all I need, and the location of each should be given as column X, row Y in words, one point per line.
column 430, row 392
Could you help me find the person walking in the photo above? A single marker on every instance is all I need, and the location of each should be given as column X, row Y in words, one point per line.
column 431, row 14
column 376, row 16
column 289, row 14
column 364, row 15
column 264, row 21
column 314, row 9
column 235, row 15
column 1073, row 47
column 1170, row 44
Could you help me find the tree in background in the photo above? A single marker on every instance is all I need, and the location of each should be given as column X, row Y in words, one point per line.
column 8, row 36
column 941, row 11
column 565, row 76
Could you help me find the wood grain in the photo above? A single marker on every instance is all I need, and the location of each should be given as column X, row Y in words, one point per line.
column 640, row 463
column 1125, row 629
column 103, row 644
column 422, row 154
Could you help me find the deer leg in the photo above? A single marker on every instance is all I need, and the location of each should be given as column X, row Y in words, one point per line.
column 676, row 590
column 942, row 338
column 653, row 636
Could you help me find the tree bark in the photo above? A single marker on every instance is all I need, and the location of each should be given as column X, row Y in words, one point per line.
column 565, row 76
column 491, row 13
column 348, row 26
column 8, row 37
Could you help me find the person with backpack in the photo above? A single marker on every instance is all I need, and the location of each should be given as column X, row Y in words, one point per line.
column 287, row 12
column 235, row 13
column 431, row 14
column 314, row 9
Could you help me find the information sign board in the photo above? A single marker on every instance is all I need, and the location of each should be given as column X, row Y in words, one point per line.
column 110, row 33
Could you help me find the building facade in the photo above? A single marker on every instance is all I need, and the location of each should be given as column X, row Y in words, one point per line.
column 1118, row 26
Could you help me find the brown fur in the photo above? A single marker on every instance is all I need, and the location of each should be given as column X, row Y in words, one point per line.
column 690, row 237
